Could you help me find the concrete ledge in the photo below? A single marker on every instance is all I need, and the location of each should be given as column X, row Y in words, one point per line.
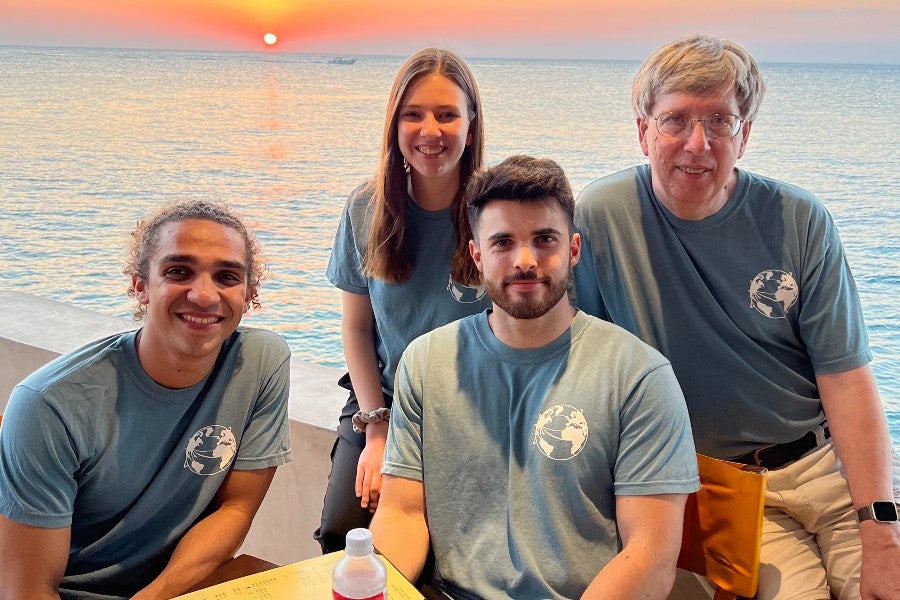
column 35, row 330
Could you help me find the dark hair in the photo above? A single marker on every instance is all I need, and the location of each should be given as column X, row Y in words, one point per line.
column 699, row 64
column 518, row 178
column 387, row 255
column 145, row 238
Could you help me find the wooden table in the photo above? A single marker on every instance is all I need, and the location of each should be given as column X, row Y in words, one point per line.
column 249, row 578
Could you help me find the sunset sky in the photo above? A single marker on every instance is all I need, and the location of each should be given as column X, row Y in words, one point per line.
column 858, row 31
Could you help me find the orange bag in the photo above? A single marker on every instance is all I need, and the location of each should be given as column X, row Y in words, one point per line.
column 723, row 525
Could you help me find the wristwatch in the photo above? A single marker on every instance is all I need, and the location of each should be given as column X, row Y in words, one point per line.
column 883, row 512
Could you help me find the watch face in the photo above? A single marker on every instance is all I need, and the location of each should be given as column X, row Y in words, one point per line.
column 885, row 511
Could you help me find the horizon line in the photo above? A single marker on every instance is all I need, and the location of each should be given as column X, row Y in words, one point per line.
column 275, row 51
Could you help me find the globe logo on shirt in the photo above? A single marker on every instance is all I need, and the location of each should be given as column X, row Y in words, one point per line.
column 773, row 293
column 560, row 432
column 465, row 294
column 210, row 450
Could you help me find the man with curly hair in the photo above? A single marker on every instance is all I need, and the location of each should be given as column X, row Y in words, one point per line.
column 133, row 467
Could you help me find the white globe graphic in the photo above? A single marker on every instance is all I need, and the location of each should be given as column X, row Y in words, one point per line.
column 210, row 450
column 773, row 293
column 465, row 294
column 560, row 432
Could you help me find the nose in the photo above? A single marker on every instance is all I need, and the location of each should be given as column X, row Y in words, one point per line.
column 525, row 259
column 697, row 142
column 430, row 126
column 203, row 291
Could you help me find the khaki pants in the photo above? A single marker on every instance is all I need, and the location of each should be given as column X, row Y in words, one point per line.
column 811, row 547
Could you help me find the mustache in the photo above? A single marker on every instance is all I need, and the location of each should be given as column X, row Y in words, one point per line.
column 524, row 276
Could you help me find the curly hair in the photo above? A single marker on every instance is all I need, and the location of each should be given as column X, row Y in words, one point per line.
column 145, row 237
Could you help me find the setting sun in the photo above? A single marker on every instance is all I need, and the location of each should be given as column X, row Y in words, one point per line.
column 270, row 39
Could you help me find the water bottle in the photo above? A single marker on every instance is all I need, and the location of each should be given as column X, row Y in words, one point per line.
column 360, row 575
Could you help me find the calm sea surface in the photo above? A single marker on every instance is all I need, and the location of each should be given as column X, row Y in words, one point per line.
column 92, row 140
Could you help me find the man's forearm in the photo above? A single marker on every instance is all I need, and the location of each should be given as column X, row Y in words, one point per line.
column 633, row 575
column 402, row 539
column 650, row 527
column 206, row 546
column 214, row 539
column 854, row 412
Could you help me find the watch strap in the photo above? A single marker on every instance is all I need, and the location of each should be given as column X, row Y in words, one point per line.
column 883, row 512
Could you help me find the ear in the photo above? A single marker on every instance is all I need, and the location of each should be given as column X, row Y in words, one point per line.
column 745, row 134
column 643, row 125
column 140, row 289
column 575, row 249
column 470, row 136
column 248, row 300
column 475, row 253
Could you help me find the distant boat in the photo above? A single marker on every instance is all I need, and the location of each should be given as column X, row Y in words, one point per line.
column 342, row 60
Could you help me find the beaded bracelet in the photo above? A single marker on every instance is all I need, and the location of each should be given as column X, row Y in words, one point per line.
column 361, row 419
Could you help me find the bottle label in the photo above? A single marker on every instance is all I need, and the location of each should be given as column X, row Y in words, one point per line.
column 378, row 596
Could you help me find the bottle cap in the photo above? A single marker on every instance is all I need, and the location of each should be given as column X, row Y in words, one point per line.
column 359, row 542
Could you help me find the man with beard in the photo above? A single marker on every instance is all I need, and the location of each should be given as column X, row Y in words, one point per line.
column 544, row 474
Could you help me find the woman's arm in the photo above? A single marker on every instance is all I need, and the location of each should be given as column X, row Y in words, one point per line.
column 358, row 337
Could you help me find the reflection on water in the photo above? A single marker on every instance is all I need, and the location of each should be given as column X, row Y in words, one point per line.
column 92, row 140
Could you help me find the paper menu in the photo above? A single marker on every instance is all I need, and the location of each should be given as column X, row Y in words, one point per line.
column 307, row 580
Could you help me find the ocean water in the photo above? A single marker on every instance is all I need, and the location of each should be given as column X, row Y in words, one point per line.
column 91, row 140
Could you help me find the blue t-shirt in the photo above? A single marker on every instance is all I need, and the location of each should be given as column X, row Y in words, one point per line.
column 90, row 442
column 522, row 452
column 748, row 304
column 428, row 299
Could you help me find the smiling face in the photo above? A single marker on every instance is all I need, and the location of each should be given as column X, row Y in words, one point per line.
column 433, row 127
column 195, row 293
column 693, row 176
column 525, row 253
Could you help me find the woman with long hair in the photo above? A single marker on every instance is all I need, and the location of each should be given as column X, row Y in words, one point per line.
column 399, row 236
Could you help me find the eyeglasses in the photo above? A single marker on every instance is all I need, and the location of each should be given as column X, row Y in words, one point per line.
column 717, row 126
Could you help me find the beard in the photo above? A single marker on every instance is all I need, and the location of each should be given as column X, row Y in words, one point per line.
column 528, row 307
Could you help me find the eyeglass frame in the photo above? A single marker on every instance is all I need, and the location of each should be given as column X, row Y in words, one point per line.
column 740, row 123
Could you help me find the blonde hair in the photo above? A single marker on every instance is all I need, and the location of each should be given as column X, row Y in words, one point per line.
column 699, row 64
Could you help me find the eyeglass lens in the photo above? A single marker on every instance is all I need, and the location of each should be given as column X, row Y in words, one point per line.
column 715, row 126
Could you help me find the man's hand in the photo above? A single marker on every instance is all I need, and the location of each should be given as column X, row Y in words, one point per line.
column 879, row 577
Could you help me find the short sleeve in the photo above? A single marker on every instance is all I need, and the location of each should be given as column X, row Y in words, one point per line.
column 836, row 340
column 344, row 269
column 38, row 462
column 656, row 447
column 403, row 450
column 266, row 439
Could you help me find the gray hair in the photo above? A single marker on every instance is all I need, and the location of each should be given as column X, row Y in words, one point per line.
column 700, row 65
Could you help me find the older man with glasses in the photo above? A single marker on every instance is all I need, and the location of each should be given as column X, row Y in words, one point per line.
column 742, row 283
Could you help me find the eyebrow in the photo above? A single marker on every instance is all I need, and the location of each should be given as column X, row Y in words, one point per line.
column 440, row 106
column 546, row 230
column 192, row 260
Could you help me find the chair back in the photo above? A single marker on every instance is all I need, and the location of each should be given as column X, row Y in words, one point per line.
column 723, row 526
